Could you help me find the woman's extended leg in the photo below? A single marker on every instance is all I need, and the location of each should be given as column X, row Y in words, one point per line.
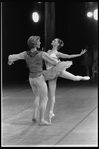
column 52, row 89
column 68, row 75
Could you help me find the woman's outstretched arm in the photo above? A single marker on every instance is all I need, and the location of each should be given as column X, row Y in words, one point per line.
column 62, row 55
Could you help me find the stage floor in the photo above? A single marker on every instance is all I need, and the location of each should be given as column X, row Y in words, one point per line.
column 75, row 122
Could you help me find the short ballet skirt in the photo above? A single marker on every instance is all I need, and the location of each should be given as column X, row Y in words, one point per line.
column 55, row 71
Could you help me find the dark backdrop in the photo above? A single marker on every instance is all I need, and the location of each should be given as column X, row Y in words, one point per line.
column 71, row 25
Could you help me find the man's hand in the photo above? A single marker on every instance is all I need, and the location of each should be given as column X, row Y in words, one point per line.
column 83, row 51
column 10, row 63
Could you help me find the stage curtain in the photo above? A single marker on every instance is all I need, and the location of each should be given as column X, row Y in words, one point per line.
column 49, row 24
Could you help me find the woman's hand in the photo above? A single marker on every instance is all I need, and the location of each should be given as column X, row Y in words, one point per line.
column 83, row 51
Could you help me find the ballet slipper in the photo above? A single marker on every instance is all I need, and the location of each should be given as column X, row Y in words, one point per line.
column 44, row 123
column 34, row 120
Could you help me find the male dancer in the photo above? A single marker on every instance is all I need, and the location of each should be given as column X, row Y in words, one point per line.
column 34, row 59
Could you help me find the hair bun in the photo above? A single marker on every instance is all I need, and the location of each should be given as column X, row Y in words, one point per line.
column 62, row 44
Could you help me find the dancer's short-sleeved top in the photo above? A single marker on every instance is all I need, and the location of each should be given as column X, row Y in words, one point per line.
column 48, row 65
column 33, row 59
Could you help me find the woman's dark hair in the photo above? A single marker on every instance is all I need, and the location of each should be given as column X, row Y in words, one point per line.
column 60, row 43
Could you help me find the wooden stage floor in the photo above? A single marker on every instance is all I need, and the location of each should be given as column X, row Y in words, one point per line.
column 75, row 122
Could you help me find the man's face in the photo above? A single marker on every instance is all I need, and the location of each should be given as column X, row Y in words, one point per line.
column 38, row 43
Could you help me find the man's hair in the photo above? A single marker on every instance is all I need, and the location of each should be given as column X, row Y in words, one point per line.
column 32, row 41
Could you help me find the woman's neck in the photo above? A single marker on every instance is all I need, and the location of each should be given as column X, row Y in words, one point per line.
column 54, row 49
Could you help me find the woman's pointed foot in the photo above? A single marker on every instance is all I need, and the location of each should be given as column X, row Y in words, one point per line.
column 51, row 114
column 86, row 78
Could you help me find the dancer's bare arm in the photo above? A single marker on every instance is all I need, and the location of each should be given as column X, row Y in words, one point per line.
column 62, row 55
column 15, row 57
column 47, row 58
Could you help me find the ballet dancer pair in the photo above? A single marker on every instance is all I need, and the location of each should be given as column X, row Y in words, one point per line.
column 37, row 77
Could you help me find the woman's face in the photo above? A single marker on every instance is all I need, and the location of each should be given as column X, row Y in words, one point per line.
column 55, row 42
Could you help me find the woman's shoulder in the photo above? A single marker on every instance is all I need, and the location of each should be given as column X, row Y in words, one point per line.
column 58, row 54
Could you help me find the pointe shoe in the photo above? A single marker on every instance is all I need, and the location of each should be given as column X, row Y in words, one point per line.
column 86, row 78
column 44, row 123
column 51, row 114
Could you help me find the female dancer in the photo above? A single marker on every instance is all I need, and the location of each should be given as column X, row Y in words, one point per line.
column 34, row 60
column 59, row 71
